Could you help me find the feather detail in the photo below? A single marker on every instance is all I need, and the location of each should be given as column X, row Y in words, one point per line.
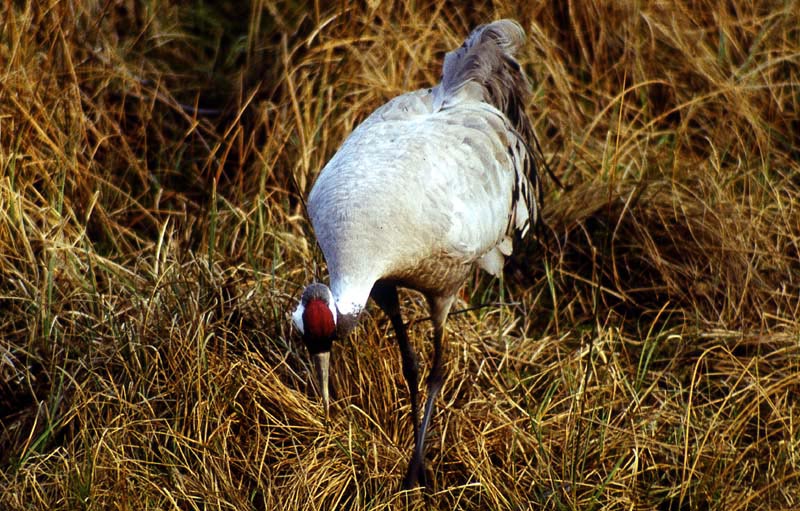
column 487, row 59
column 485, row 69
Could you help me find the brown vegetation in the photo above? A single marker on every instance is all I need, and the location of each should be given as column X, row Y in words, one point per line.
column 644, row 354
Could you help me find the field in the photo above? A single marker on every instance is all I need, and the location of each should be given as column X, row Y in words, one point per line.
column 643, row 352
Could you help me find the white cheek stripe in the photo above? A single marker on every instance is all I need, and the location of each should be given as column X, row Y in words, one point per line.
column 332, row 305
column 297, row 316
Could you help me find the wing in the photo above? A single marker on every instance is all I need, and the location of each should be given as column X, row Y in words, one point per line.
column 422, row 183
column 486, row 194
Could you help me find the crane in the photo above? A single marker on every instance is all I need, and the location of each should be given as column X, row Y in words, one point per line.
column 431, row 184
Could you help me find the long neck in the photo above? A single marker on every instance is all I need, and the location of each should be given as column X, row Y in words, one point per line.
column 350, row 297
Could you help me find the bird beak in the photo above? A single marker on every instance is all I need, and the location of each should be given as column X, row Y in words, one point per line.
column 322, row 362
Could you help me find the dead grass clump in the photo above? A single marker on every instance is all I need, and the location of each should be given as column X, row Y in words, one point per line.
column 690, row 247
column 152, row 239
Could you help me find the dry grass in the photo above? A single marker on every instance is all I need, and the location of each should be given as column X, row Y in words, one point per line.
column 152, row 241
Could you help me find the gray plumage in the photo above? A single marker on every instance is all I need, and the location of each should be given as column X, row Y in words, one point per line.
column 432, row 183
column 487, row 59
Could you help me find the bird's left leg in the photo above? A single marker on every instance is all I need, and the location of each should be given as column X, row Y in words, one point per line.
column 385, row 295
column 440, row 307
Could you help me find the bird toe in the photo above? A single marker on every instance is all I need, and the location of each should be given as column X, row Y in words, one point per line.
column 416, row 477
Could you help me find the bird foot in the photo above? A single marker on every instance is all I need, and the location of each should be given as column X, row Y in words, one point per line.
column 415, row 476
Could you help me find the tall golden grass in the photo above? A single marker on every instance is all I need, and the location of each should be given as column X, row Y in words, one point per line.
column 644, row 353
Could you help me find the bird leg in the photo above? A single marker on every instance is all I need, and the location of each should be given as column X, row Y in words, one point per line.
column 385, row 295
column 440, row 307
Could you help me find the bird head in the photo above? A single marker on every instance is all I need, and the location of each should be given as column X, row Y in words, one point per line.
column 315, row 318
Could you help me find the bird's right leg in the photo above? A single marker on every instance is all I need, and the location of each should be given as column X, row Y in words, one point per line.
column 385, row 295
column 440, row 307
